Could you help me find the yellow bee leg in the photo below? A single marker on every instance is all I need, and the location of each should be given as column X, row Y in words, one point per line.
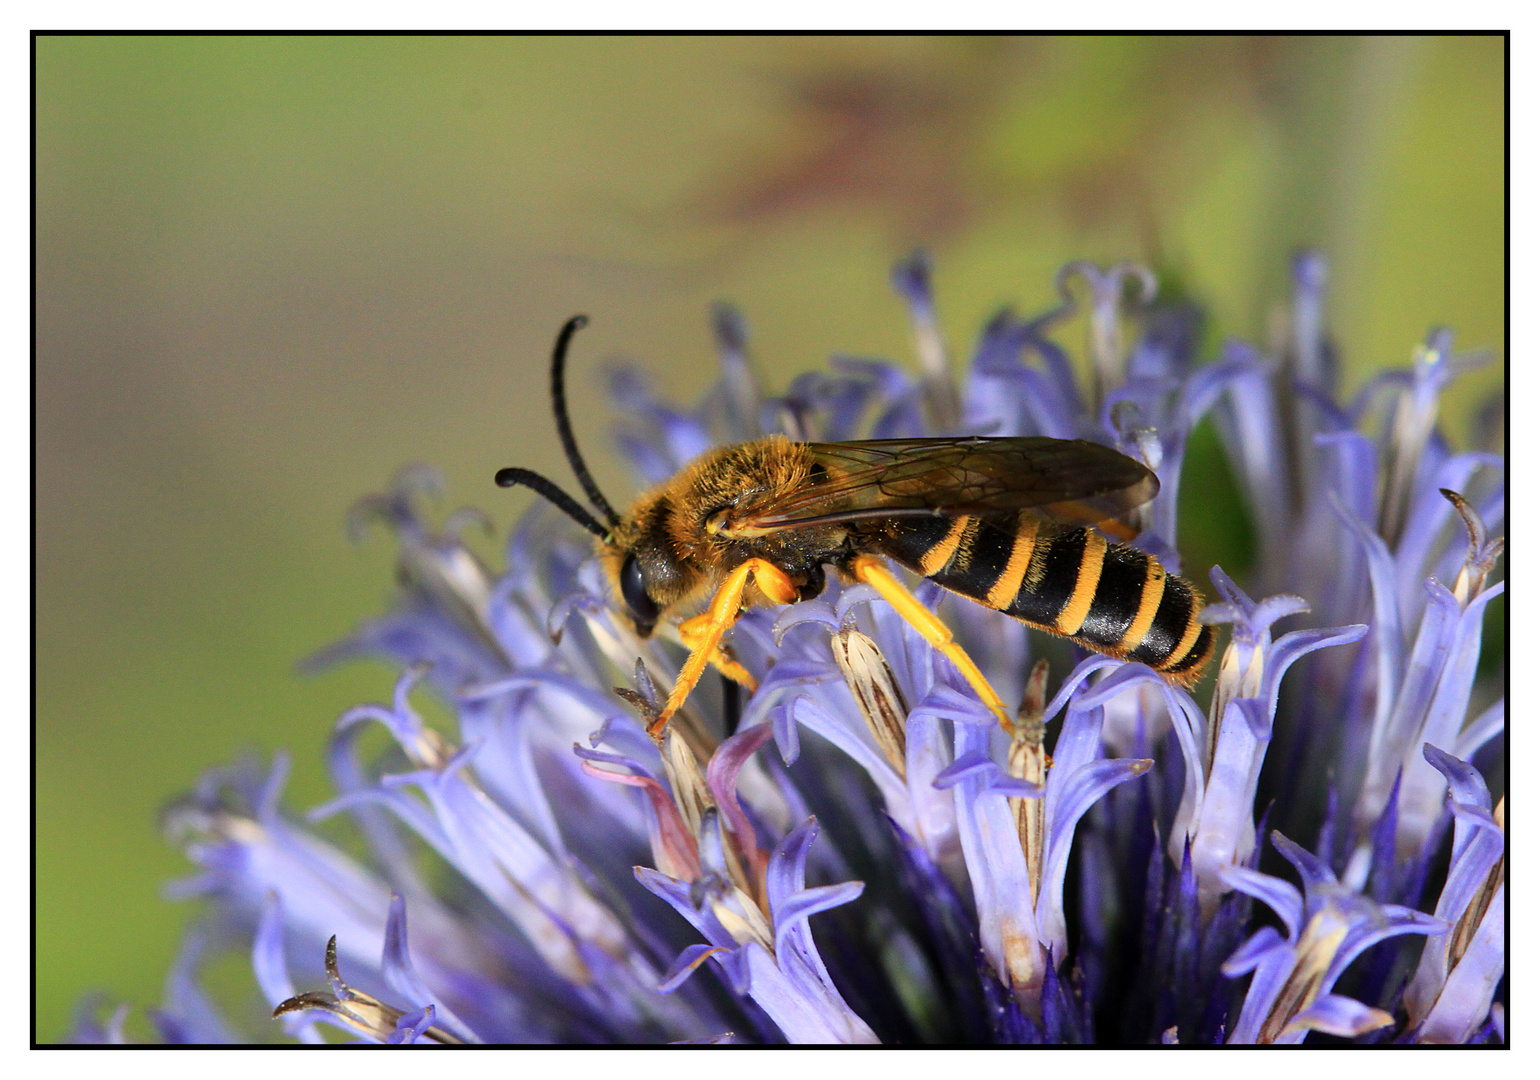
column 690, row 632
column 705, row 632
column 869, row 569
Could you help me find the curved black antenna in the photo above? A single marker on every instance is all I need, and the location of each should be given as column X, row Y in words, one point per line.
column 564, row 425
column 559, row 498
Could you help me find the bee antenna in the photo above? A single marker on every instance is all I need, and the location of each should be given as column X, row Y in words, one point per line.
column 564, row 425
column 558, row 498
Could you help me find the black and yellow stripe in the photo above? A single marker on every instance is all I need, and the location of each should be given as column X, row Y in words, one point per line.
column 1111, row 598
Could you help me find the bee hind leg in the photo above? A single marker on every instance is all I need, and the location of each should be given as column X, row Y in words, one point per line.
column 869, row 569
column 704, row 635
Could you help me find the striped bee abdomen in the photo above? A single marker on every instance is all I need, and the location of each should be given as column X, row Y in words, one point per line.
column 1112, row 599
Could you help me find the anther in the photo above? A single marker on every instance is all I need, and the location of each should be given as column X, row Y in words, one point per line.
column 357, row 1010
column 1482, row 555
column 877, row 695
column 1028, row 761
column 691, row 795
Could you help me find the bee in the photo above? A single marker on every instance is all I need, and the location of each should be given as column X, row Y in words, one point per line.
column 1019, row 525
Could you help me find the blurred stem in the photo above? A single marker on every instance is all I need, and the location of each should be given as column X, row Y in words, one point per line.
column 1333, row 132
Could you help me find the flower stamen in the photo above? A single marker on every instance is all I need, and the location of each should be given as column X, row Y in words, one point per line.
column 358, row 1011
column 1482, row 555
column 1466, row 926
column 1316, row 949
column 1028, row 761
column 877, row 695
column 683, row 770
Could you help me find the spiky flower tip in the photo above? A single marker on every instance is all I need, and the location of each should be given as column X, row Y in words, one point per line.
column 859, row 852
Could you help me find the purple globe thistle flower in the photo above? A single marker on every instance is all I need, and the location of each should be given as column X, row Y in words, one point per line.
column 858, row 851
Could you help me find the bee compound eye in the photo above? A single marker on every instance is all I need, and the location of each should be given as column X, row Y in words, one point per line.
column 633, row 590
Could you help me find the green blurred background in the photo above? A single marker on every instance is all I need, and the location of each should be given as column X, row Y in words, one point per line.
column 272, row 270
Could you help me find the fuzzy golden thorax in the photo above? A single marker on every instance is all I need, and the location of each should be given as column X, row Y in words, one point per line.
column 669, row 529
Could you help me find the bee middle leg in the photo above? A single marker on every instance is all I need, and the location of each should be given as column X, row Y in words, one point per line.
column 870, row 569
column 704, row 635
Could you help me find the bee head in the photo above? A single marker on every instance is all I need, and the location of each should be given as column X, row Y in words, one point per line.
column 643, row 564
column 635, row 550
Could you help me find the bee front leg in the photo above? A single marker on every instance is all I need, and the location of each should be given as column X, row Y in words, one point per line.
column 693, row 630
column 869, row 569
column 704, row 636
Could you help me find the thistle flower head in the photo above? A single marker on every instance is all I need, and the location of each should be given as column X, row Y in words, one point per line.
column 858, row 850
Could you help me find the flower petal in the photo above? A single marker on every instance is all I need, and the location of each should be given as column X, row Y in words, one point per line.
column 1277, row 894
column 1253, row 950
column 1467, row 994
column 1088, row 783
column 685, row 965
column 1338, row 1015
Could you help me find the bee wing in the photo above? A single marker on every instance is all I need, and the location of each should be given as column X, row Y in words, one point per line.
column 1067, row 481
